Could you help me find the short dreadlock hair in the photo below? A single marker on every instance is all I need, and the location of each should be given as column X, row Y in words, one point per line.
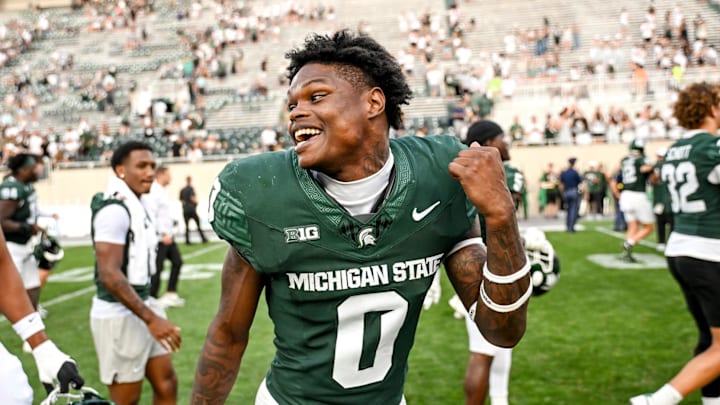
column 361, row 61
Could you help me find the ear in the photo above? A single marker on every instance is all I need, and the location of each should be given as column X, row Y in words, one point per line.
column 375, row 102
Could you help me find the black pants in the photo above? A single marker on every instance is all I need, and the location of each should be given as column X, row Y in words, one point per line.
column 187, row 216
column 700, row 284
column 172, row 253
column 661, row 222
column 597, row 202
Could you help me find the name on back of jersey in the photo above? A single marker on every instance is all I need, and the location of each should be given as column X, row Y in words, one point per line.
column 365, row 276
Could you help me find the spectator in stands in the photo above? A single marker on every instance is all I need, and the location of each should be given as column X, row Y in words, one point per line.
column 133, row 339
column 571, row 182
column 516, row 131
column 189, row 204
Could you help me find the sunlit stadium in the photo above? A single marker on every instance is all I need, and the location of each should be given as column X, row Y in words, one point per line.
column 204, row 83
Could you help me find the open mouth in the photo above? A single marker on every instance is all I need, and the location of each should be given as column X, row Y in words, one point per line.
column 302, row 135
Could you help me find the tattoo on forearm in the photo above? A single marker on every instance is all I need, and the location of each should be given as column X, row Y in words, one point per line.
column 216, row 371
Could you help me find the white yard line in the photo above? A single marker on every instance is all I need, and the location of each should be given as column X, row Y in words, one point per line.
column 83, row 291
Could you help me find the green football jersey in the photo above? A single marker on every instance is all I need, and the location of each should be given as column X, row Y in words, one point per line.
column 633, row 179
column 661, row 195
column 344, row 295
column 594, row 181
column 24, row 194
column 691, row 170
column 514, row 178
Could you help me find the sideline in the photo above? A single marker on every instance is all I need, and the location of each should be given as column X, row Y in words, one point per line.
column 85, row 290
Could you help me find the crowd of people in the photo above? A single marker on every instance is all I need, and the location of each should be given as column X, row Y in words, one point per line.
column 345, row 94
column 437, row 48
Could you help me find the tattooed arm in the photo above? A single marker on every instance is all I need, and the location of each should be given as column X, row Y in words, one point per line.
column 480, row 172
column 228, row 333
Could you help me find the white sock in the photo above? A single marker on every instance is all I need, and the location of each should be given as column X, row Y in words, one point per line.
column 710, row 401
column 667, row 395
column 503, row 401
column 630, row 242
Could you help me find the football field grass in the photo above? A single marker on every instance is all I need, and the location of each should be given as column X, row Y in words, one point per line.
column 603, row 334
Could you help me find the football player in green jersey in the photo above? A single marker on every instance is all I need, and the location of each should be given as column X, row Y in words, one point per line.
column 691, row 170
column 345, row 232
column 634, row 202
column 18, row 217
column 488, row 368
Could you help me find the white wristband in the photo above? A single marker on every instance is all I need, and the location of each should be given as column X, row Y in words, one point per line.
column 509, row 279
column 504, row 308
column 29, row 325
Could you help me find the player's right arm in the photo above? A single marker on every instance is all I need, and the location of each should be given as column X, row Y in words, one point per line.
column 228, row 334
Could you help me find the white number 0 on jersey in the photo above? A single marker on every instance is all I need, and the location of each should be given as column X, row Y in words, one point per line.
column 351, row 330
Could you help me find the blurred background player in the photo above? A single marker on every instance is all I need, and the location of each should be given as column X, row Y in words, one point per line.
column 661, row 203
column 693, row 249
column 18, row 217
column 634, row 202
column 53, row 365
column 159, row 210
column 189, row 204
column 596, row 187
column 488, row 369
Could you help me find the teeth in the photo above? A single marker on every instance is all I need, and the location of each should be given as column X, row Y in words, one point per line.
column 304, row 134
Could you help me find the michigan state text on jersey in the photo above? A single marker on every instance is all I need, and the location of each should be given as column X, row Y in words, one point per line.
column 345, row 295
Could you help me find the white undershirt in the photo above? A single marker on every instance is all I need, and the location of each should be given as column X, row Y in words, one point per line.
column 359, row 196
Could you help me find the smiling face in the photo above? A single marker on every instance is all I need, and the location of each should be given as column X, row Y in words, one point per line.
column 334, row 123
column 138, row 171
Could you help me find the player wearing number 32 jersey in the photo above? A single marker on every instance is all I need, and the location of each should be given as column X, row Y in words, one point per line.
column 691, row 171
column 345, row 233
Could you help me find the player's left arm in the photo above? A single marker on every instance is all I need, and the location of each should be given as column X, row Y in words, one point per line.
column 503, row 278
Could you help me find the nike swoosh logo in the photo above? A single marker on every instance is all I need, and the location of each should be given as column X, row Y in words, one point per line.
column 418, row 216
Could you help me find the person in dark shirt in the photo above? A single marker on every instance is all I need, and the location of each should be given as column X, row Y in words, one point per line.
column 571, row 184
column 189, row 204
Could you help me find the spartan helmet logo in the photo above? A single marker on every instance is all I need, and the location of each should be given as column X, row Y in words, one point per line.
column 366, row 238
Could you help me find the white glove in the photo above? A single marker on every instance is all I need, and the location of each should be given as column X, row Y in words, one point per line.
column 459, row 311
column 54, row 365
column 433, row 295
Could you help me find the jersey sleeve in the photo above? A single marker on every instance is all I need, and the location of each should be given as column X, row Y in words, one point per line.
column 227, row 214
column 714, row 151
column 111, row 224
column 11, row 191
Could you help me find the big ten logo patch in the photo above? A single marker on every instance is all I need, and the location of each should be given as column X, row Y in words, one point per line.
column 302, row 233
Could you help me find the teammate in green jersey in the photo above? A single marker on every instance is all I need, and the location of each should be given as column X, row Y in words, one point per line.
column 634, row 202
column 691, row 170
column 18, row 217
column 345, row 233
column 488, row 368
